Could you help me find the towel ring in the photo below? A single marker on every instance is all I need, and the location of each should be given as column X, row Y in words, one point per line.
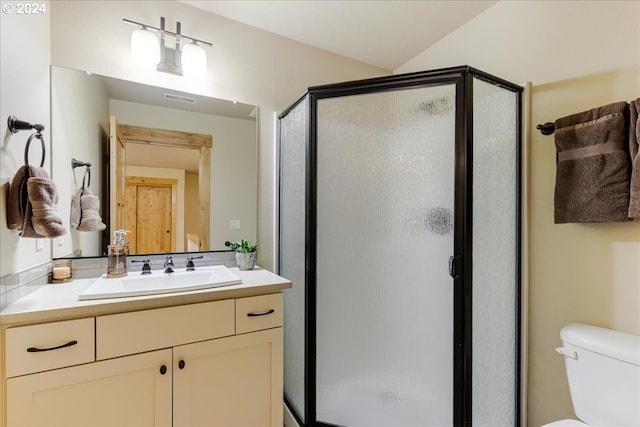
column 26, row 148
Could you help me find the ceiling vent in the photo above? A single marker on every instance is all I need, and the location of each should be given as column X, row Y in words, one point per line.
column 179, row 98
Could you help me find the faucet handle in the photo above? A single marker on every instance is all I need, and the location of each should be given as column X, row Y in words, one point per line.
column 190, row 266
column 146, row 267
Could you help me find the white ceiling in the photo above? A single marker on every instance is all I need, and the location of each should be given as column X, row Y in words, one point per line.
column 385, row 33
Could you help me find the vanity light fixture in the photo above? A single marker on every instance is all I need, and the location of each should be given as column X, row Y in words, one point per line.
column 182, row 59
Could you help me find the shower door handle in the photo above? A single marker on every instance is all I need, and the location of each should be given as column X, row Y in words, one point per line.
column 454, row 262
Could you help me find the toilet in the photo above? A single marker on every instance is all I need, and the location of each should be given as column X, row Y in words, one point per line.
column 603, row 371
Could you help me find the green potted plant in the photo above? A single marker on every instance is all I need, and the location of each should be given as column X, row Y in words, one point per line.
column 246, row 254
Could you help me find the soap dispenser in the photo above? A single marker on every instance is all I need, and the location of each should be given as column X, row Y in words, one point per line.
column 118, row 251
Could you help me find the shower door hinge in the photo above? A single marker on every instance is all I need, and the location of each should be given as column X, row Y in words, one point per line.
column 454, row 266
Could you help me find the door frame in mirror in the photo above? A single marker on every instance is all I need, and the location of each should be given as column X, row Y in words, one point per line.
column 130, row 134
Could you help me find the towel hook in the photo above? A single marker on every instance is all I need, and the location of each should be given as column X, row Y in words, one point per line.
column 39, row 136
column 87, row 176
column 75, row 163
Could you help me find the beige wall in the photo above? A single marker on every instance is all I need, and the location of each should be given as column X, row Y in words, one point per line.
column 578, row 55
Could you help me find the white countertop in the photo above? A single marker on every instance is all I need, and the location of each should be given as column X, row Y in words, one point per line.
column 54, row 302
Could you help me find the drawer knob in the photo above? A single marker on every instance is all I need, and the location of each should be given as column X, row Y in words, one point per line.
column 163, row 370
column 37, row 350
column 264, row 313
column 181, row 364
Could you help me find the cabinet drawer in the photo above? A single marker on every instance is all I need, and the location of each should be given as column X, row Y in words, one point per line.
column 48, row 346
column 136, row 332
column 260, row 312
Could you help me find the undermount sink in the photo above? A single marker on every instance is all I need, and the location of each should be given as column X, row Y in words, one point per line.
column 158, row 282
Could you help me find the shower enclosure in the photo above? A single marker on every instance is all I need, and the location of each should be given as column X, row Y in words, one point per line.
column 399, row 226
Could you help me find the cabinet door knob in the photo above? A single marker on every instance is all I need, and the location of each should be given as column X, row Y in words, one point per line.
column 181, row 364
column 163, row 369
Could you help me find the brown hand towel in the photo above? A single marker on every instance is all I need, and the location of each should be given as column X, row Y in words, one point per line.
column 43, row 196
column 15, row 210
column 19, row 210
column 90, row 219
column 593, row 172
column 634, row 150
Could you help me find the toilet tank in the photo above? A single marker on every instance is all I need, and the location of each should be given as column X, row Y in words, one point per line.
column 603, row 371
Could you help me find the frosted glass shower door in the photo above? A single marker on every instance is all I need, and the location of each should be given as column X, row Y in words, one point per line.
column 292, row 256
column 495, row 254
column 385, row 203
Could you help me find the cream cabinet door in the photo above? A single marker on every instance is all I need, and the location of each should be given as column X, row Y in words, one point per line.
column 132, row 391
column 229, row 382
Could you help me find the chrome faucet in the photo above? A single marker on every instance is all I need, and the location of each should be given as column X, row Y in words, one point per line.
column 168, row 264
column 190, row 266
column 146, row 267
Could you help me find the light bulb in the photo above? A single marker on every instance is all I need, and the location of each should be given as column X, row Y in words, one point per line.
column 144, row 47
column 194, row 60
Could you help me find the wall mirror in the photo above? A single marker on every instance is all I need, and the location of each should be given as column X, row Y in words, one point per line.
column 178, row 170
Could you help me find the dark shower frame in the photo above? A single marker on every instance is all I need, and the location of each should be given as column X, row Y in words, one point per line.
column 462, row 78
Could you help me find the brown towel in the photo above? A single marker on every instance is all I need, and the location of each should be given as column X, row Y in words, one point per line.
column 593, row 172
column 634, row 150
column 90, row 219
column 19, row 209
column 15, row 207
column 43, row 196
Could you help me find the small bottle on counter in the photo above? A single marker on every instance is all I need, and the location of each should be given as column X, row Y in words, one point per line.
column 118, row 251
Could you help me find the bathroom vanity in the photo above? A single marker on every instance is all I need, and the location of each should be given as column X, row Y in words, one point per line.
column 201, row 358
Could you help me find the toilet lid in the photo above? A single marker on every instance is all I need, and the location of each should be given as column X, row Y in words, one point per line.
column 566, row 423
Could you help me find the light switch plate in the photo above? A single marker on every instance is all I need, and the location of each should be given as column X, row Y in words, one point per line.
column 234, row 224
column 39, row 245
